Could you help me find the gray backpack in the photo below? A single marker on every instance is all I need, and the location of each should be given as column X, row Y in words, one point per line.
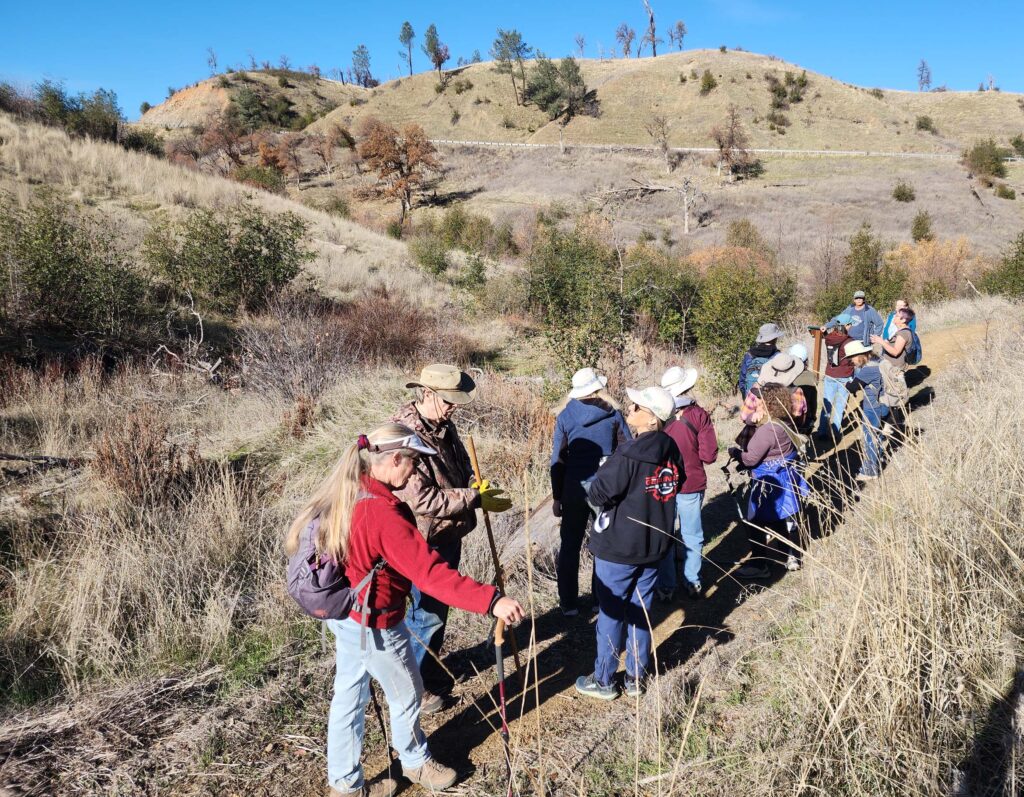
column 319, row 584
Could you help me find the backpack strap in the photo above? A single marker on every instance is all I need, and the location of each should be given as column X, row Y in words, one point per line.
column 364, row 611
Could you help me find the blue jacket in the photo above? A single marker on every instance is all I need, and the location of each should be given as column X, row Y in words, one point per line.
column 585, row 433
column 869, row 377
column 888, row 330
column 866, row 322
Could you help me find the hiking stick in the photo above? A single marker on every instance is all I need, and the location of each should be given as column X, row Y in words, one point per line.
column 383, row 728
column 499, row 576
column 499, row 638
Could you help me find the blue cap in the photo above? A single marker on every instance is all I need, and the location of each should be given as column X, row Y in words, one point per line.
column 845, row 319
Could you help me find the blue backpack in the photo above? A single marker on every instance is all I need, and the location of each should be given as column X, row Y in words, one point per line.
column 752, row 372
column 913, row 348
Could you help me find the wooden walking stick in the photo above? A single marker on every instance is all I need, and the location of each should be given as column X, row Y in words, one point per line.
column 499, row 576
column 499, row 638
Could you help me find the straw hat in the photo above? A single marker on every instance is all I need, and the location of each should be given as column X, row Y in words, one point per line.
column 856, row 347
column 782, row 369
column 587, row 382
column 451, row 384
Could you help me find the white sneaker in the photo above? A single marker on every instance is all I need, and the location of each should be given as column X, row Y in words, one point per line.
column 792, row 563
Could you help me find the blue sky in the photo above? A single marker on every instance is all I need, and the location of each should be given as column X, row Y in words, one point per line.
column 139, row 49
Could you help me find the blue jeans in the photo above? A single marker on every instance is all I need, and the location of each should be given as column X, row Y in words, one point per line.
column 688, row 511
column 427, row 620
column 833, row 403
column 872, row 444
column 625, row 594
column 388, row 660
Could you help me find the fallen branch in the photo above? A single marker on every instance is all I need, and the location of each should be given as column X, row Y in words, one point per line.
column 43, row 461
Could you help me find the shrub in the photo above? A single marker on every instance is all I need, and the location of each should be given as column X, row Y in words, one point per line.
column 903, row 192
column 430, row 253
column 462, row 85
column 682, row 78
column 472, row 276
column 660, row 292
column 878, row 94
column 985, row 158
column 935, row 269
column 722, row 49
column 1004, row 191
column 1017, row 142
column 459, row 229
column 1008, row 277
column 926, row 123
column 707, row 83
column 282, row 81
column 61, row 268
column 223, row 82
column 921, row 227
column 144, row 108
column 865, row 269
column 455, row 116
column 266, row 177
column 394, row 229
column 234, row 258
column 336, row 206
column 139, row 139
column 778, row 121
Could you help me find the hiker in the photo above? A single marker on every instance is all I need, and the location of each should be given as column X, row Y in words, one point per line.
column 888, row 329
column 782, row 369
column 762, row 351
column 694, row 434
column 838, row 371
column 361, row 521
column 899, row 351
column 865, row 320
column 635, row 490
column 777, row 485
column 867, row 376
column 588, row 429
column 442, row 496
column 807, row 381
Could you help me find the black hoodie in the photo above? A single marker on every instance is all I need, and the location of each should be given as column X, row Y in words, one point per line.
column 637, row 488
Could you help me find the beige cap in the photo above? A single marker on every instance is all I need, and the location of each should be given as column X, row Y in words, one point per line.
column 655, row 399
column 451, row 384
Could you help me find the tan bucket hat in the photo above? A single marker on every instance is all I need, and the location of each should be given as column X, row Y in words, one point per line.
column 451, row 384
column 782, row 369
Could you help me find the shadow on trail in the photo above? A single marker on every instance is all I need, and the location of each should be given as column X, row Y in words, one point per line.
column 995, row 766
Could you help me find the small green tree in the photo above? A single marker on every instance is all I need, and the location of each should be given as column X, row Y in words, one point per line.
column 1017, row 142
column 434, row 49
column 903, row 192
column 921, row 228
column 509, row 51
column 865, row 269
column 707, row 83
column 986, row 158
column 361, row 74
column 1008, row 277
column 405, row 36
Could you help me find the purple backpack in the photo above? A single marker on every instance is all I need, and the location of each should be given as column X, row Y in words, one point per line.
column 319, row 584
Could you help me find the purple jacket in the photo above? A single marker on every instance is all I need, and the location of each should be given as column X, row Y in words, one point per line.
column 698, row 448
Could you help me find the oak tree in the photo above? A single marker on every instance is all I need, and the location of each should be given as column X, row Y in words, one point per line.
column 401, row 160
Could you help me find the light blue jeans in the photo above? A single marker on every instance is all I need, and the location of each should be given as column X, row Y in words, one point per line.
column 388, row 660
column 833, row 403
column 871, row 466
column 688, row 511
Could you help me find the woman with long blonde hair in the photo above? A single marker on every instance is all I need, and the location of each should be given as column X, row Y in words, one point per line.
column 357, row 519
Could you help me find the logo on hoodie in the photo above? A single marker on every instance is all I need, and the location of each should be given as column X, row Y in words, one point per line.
column 664, row 484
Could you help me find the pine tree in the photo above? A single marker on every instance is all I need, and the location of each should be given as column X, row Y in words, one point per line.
column 405, row 37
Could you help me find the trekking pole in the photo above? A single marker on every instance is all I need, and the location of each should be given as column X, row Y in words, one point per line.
column 499, row 638
column 383, row 728
column 499, row 576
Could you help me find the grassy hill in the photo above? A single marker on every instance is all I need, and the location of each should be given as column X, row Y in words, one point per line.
column 305, row 96
column 832, row 114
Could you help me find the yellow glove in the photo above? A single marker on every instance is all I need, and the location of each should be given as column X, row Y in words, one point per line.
column 480, row 486
column 491, row 500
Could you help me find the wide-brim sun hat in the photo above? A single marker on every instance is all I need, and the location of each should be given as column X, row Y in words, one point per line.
column 587, row 382
column 799, row 351
column 782, row 369
column 857, row 347
column 678, row 380
column 451, row 384
column 412, row 442
column 768, row 333
column 656, row 400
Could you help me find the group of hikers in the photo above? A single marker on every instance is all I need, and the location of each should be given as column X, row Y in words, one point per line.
column 391, row 517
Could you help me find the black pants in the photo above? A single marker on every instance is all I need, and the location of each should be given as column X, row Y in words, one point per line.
column 767, row 548
column 575, row 515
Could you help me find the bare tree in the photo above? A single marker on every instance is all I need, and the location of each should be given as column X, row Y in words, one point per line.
column 731, row 140
column 314, row 70
column 924, row 76
column 693, row 198
column 580, row 44
column 625, row 35
column 211, row 60
column 252, row 62
column 676, row 34
column 289, row 155
column 323, row 147
column 650, row 35
column 657, row 128
column 284, row 62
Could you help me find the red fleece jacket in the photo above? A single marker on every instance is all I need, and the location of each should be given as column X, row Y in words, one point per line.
column 384, row 527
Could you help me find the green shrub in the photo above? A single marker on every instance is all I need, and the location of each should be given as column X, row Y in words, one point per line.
column 455, row 116
column 921, row 228
column 878, row 94
column 140, row 139
column 778, row 121
column 707, row 83
column 722, row 49
column 462, row 85
column 459, row 229
column 985, row 158
column 336, row 206
column 864, row 269
column 430, row 253
column 282, row 81
column 223, row 82
column 735, row 299
column 1008, row 277
column 682, row 78
column 659, row 294
column 903, row 192
column 1017, row 142
column 926, row 123
column 1004, row 191
column 394, row 230
column 144, row 107
column 472, row 276
column 266, row 177
column 235, row 258
column 61, row 269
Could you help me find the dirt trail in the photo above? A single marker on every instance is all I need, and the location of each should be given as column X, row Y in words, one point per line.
column 684, row 633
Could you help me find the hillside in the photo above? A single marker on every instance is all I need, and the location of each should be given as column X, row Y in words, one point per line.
column 205, row 102
column 832, row 114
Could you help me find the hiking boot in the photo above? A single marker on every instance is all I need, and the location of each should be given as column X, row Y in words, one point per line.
column 587, row 685
column 792, row 563
column 574, row 612
column 694, row 591
column 382, row 787
column 430, row 703
column 432, row 775
column 753, row 571
column 632, row 688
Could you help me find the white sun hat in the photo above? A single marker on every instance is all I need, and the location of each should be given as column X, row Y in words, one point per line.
column 678, row 380
column 655, row 399
column 586, row 382
column 799, row 351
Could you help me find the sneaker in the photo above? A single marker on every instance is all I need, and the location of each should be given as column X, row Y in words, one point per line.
column 382, row 787
column 588, row 685
column 694, row 591
column 431, row 703
column 792, row 563
column 632, row 688
column 753, row 571
column 570, row 612
column 866, row 477
column 432, row 775
column 665, row 595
